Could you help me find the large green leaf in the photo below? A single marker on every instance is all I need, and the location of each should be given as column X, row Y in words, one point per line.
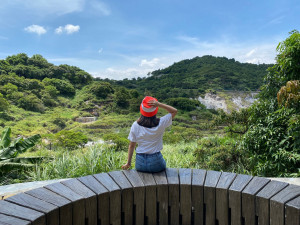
column 18, row 146
column 5, row 138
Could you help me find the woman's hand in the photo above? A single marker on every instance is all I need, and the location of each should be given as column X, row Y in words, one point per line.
column 126, row 166
column 153, row 103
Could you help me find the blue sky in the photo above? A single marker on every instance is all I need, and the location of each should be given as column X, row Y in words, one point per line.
column 120, row 39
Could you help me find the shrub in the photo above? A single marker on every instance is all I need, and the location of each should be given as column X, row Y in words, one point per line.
column 32, row 103
column 121, row 143
column 218, row 153
column 70, row 139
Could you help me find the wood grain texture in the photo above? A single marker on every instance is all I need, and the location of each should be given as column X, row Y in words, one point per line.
column 277, row 204
column 248, row 198
column 102, row 197
column 211, row 180
column 198, row 178
column 222, row 199
column 78, row 202
column 51, row 211
column 65, row 205
column 138, row 195
column 11, row 209
column 115, row 202
column 263, row 200
column 292, row 212
column 173, row 182
column 162, row 197
column 10, row 220
column 235, row 197
column 150, row 198
column 185, row 180
column 89, row 196
column 127, row 195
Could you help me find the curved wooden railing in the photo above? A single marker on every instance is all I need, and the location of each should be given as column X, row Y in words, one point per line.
column 172, row 197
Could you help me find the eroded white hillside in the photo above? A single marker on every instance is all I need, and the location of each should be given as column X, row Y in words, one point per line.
column 228, row 101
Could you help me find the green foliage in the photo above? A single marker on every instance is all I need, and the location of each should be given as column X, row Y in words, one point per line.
column 31, row 102
column 95, row 159
column 122, row 98
column 9, row 150
column 63, row 86
column 272, row 143
column 120, row 143
column 100, row 89
column 184, row 103
column 189, row 78
column 272, row 140
column 70, row 139
column 218, row 153
column 3, row 104
column 287, row 66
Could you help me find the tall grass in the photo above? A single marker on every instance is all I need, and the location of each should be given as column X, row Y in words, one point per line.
column 95, row 159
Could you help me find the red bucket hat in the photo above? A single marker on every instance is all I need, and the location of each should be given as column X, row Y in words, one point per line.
column 147, row 110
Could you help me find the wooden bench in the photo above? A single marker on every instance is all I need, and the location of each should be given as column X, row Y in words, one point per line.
column 172, row 197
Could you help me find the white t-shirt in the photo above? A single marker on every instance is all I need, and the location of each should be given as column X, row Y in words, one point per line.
column 149, row 139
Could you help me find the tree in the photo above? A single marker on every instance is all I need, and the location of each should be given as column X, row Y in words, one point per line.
column 71, row 139
column 101, row 89
column 272, row 140
column 3, row 103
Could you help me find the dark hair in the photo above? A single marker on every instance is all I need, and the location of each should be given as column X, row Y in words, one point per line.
column 148, row 122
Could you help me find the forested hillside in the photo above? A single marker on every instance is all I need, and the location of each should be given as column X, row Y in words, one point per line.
column 191, row 77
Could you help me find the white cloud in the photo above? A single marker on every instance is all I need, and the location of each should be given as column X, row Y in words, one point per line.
column 59, row 30
column 48, row 7
column 253, row 52
column 100, row 50
column 119, row 74
column 100, row 7
column 36, row 29
column 69, row 29
column 154, row 63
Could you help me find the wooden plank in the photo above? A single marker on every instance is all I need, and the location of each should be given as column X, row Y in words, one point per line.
column 9, row 220
column 51, row 211
column 235, row 198
column 292, row 212
column 150, row 204
column 198, row 179
column 115, row 202
column 89, row 196
column 162, row 197
column 211, row 181
column 78, row 203
column 11, row 209
column 185, row 180
column 138, row 195
column 263, row 200
column 278, row 201
column 103, row 197
column 248, row 198
column 65, row 205
column 222, row 199
column 173, row 183
column 127, row 196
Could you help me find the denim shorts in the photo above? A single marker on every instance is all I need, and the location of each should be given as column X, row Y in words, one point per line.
column 150, row 163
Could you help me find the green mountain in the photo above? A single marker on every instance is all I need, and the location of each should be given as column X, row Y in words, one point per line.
column 191, row 77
